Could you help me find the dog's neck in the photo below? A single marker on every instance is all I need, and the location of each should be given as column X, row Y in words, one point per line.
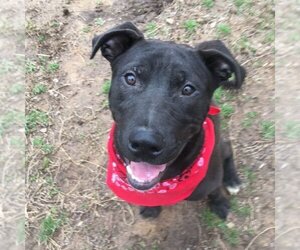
column 186, row 157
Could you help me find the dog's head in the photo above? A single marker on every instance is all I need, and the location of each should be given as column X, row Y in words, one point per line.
column 160, row 95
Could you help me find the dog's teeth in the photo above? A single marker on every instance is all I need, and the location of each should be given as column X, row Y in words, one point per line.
column 233, row 190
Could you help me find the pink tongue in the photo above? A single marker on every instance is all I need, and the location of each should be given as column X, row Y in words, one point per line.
column 144, row 172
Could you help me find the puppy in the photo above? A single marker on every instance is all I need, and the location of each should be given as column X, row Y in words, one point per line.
column 165, row 144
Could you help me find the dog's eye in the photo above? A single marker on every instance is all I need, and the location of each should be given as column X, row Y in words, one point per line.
column 130, row 79
column 188, row 90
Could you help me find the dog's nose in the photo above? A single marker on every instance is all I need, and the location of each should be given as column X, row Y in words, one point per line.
column 145, row 143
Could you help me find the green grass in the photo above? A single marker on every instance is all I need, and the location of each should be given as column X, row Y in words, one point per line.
column 33, row 178
column 106, row 87
column 292, row 129
column 46, row 162
column 221, row 95
column 86, row 29
column 30, row 66
column 239, row 3
column 249, row 119
column 210, row 219
column 242, row 4
column 268, row 129
column 190, row 26
column 30, row 26
column 16, row 88
column 49, row 225
column 6, row 66
column 208, row 3
column 39, row 89
column 9, row 119
column 244, row 45
column 17, row 142
column 239, row 209
column 218, row 94
column 223, row 30
column 105, row 104
column 35, row 118
column 41, row 38
column 54, row 24
column 46, row 65
column 231, row 235
column 151, row 29
column 227, row 110
column 99, row 21
column 40, row 143
column 270, row 36
column 53, row 67
column 249, row 175
column 52, row 189
column 42, row 62
column 43, row 59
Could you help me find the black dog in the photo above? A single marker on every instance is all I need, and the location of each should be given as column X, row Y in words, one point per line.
column 159, row 97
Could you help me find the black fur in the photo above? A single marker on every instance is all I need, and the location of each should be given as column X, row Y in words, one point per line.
column 155, row 110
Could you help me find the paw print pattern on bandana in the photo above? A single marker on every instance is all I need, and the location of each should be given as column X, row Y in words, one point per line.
column 114, row 178
column 161, row 191
column 173, row 185
column 200, row 162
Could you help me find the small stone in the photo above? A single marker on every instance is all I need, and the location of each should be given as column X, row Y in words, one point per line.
column 230, row 225
column 36, row 98
column 55, row 80
column 43, row 130
column 52, row 93
column 170, row 20
column 66, row 12
column 212, row 24
column 80, row 122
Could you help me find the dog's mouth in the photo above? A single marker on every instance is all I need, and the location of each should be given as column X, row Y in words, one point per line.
column 143, row 176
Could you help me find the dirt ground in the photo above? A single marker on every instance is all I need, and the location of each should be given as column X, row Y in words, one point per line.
column 69, row 206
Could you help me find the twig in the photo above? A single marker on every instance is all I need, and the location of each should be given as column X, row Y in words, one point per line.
column 72, row 190
column 287, row 231
column 131, row 213
column 253, row 240
column 255, row 58
column 74, row 162
column 62, row 127
column 104, row 132
column 221, row 243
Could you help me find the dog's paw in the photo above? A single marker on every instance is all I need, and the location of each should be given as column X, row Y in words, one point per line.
column 233, row 190
column 220, row 208
column 150, row 212
column 233, row 185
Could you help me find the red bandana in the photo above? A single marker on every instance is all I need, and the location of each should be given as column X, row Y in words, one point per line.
column 167, row 192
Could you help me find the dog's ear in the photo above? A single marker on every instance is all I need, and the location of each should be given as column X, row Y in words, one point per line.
column 225, row 69
column 116, row 41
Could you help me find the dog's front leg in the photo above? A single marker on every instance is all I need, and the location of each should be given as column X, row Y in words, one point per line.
column 150, row 212
column 218, row 203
